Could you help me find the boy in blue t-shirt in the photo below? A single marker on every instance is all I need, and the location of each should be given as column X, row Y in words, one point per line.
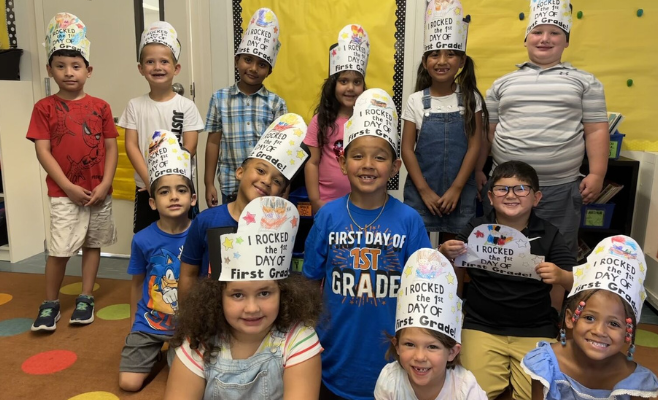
column 154, row 259
column 359, row 244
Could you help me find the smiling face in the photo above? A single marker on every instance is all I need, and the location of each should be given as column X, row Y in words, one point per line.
column 252, row 70
column 259, row 178
column 349, row 86
column 443, row 65
column 512, row 208
column 545, row 44
column 157, row 65
column 251, row 307
column 70, row 74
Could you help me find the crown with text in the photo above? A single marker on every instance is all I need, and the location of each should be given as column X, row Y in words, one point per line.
column 167, row 157
column 352, row 51
column 551, row 12
column 163, row 33
column 374, row 115
column 446, row 26
column 66, row 32
column 261, row 39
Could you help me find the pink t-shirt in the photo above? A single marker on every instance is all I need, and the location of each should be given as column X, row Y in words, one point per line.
column 333, row 184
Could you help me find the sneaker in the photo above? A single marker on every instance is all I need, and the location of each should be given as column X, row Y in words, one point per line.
column 48, row 317
column 84, row 311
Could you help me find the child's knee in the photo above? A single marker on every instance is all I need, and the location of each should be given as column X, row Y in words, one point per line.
column 131, row 381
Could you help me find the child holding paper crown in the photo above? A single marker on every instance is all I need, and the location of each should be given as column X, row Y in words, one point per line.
column 75, row 140
column 530, row 123
column 160, row 108
column 272, row 164
column 358, row 245
column 154, row 259
column 427, row 337
column 347, row 70
column 443, row 125
column 238, row 115
column 602, row 312
column 249, row 335
column 508, row 311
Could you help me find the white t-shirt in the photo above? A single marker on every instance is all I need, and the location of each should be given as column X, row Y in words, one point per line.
column 414, row 112
column 460, row 384
column 177, row 115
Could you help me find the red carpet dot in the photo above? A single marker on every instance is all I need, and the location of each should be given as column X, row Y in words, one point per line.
column 49, row 362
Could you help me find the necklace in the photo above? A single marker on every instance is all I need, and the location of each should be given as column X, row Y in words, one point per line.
column 347, row 205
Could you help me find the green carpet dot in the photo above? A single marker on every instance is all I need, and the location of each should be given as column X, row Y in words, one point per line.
column 114, row 312
column 95, row 396
column 646, row 338
column 75, row 289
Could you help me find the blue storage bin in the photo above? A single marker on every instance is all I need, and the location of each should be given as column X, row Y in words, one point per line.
column 596, row 216
column 615, row 145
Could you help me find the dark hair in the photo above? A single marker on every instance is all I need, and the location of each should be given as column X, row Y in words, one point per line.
column 141, row 53
column 154, row 185
column 468, row 88
column 522, row 171
column 201, row 317
column 67, row 53
column 446, row 341
column 245, row 163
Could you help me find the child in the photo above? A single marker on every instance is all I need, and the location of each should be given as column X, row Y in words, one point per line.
column 506, row 315
column 161, row 108
column 75, row 141
column 250, row 335
column 155, row 253
column 529, row 123
column 268, row 170
column 427, row 337
column 239, row 114
column 602, row 313
column 347, row 71
column 443, row 126
column 358, row 245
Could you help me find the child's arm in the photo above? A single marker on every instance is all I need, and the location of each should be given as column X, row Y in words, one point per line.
column 135, row 295
column 77, row 194
column 302, row 381
column 183, row 384
column 99, row 193
column 485, row 148
column 557, row 297
column 537, row 390
column 312, row 178
column 597, row 145
column 190, row 141
column 551, row 274
column 212, row 157
column 188, row 275
column 135, row 156
column 451, row 249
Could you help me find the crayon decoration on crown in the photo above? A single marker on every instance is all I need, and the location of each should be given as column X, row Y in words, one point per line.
column 555, row 12
column 167, row 157
column 446, row 26
column 374, row 115
column 161, row 32
column 66, row 32
column 352, row 51
column 261, row 39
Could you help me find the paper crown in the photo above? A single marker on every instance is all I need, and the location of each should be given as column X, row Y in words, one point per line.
column 166, row 157
column 445, row 27
column 161, row 32
column 261, row 249
column 428, row 295
column 281, row 144
column 66, row 32
column 261, row 39
column 617, row 265
column 374, row 115
column 351, row 53
column 552, row 12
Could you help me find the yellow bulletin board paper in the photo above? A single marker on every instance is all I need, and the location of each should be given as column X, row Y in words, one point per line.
column 123, row 184
column 4, row 33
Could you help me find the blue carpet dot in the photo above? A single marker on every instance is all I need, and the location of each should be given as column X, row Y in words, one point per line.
column 15, row 326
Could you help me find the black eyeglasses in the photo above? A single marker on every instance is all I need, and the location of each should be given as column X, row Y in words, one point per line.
column 519, row 190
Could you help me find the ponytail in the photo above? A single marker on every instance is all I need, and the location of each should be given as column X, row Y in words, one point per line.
column 469, row 90
column 423, row 78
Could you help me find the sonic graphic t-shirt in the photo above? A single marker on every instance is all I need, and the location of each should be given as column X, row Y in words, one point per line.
column 156, row 254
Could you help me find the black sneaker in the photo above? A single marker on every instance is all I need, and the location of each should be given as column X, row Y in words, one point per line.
column 48, row 317
column 84, row 311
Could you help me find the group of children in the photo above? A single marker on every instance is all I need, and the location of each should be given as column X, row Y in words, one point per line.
column 372, row 289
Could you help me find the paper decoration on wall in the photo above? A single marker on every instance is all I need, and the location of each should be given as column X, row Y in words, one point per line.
column 163, row 33
column 66, row 32
column 167, row 157
column 374, row 115
column 352, row 51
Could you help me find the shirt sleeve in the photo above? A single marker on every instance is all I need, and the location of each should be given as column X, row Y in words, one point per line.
column 470, row 389
column 127, row 119
column 478, row 103
column 315, row 256
column 408, row 112
column 385, row 386
column 302, row 344
column 281, row 108
column 594, row 108
column 193, row 120
column 214, row 118
column 138, row 262
column 194, row 243
column 39, row 128
column 191, row 359
column 492, row 100
column 311, row 138
column 109, row 128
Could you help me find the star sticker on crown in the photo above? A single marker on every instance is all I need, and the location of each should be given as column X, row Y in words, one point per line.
column 453, row 309
column 250, row 218
column 292, row 142
column 293, row 221
column 289, row 152
column 292, row 162
column 407, row 271
column 344, row 35
column 236, row 255
column 174, row 150
column 458, row 11
column 298, row 132
column 598, row 249
column 522, row 243
column 301, row 154
column 186, row 155
column 349, row 123
column 450, row 296
column 579, row 272
column 451, row 278
column 641, row 267
column 227, row 260
column 276, row 29
column 239, row 240
column 459, row 306
column 228, row 243
column 172, row 140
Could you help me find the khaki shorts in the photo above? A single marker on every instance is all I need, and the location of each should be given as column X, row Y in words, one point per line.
column 73, row 227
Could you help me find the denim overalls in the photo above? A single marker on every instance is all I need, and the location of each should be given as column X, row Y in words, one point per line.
column 259, row 377
column 440, row 149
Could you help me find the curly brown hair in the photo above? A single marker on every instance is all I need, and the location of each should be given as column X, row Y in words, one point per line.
column 201, row 319
column 446, row 341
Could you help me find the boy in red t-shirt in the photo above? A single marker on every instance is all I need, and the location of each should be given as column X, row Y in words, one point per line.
column 75, row 141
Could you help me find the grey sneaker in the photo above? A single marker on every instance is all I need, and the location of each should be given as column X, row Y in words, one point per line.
column 84, row 311
column 47, row 318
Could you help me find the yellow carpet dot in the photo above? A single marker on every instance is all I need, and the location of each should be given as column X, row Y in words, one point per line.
column 114, row 312
column 95, row 396
column 5, row 298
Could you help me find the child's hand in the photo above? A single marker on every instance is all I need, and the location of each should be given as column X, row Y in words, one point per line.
column 480, row 181
column 550, row 273
column 78, row 195
column 453, row 248
column 211, row 196
column 449, row 200
column 431, row 200
column 98, row 195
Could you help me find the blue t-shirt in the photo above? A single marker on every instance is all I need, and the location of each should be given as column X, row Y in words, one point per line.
column 362, row 277
column 195, row 251
column 155, row 254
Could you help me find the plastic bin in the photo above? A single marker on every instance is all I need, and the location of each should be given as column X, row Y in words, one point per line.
column 615, row 145
column 297, row 262
column 596, row 216
column 10, row 60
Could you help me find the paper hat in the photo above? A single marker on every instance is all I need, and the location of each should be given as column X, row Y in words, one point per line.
column 428, row 295
column 617, row 265
column 261, row 38
column 445, row 26
column 374, row 115
column 552, row 12
column 66, row 32
column 281, row 144
column 161, row 32
column 166, row 157
column 261, row 249
column 352, row 51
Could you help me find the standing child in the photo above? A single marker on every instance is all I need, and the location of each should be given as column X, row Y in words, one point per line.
column 75, row 140
column 602, row 313
column 427, row 337
column 358, row 245
column 443, row 126
column 249, row 335
column 155, row 254
column 347, row 70
column 160, row 108
column 239, row 114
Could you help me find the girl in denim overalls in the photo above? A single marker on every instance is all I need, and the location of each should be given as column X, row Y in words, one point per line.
column 249, row 335
column 443, row 125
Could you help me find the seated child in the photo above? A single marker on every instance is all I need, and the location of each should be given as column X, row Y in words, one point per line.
column 249, row 335
column 428, row 331
column 602, row 313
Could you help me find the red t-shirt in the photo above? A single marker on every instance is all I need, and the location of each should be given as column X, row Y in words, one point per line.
column 77, row 130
